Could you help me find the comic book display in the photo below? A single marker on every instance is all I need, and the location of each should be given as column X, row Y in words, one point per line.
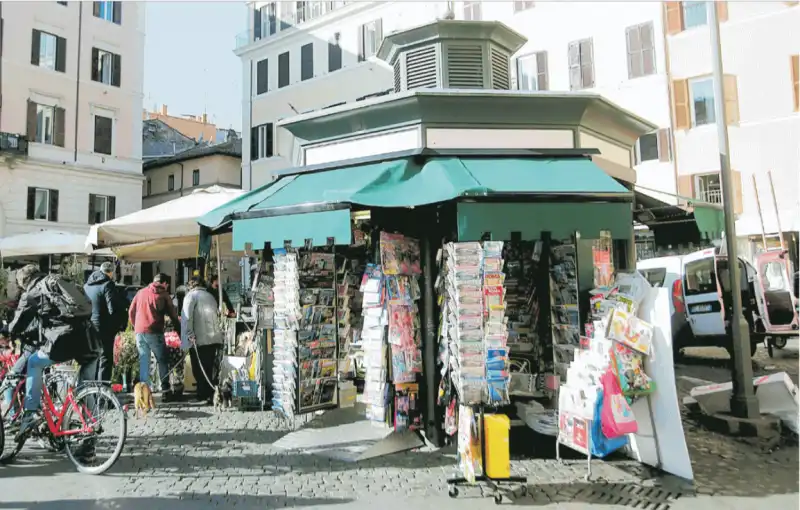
column 286, row 316
column 564, row 307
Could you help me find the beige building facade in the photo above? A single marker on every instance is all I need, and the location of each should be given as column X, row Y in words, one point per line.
column 196, row 127
column 71, row 82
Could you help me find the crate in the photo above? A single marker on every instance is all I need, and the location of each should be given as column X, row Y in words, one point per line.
column 246, row 389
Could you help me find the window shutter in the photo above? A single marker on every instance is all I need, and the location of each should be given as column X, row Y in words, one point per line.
column 256, row 24
column 31, row 202
column 91, row 209
column 254, row 143
column 116, row 70
column 269, row 150
column 53, row 205
column 722, row 11
column 730, row 91
column 58, row 127
column 574, row 61
column 262, row 76
column 664, row 152
column 95, row 64
column 117, row 13
column 796, row 81
column 307, row 61
column 378, row 33
column 96, row 9
column 541, row 64
column 61, row 54
column 31, row 131
column 680, row 103
column 360, row 46
column 648, row 49
column 112, row 208
column 673, row 13
column 686, row 186
column 738, row 202
column 36, row 43
column 587, row 64
column 631, row 41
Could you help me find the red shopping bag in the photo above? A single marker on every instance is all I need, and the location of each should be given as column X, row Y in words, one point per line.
column 617, row 418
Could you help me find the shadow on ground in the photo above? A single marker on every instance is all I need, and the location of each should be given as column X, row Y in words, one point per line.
column 180, row 502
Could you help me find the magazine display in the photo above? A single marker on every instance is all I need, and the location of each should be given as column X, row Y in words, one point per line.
column 564, row 308
column 286, row 292
column 373, row 343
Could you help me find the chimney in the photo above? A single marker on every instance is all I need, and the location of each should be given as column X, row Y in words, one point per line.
column 452, row 54
column 163, row 109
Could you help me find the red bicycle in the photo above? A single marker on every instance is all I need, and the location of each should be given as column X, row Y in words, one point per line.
column 81, row 420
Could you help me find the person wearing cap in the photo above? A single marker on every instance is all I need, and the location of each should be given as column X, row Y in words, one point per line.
column 101, row 291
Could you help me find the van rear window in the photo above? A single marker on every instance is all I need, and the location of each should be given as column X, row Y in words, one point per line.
column 700, row 278
column 654, row 276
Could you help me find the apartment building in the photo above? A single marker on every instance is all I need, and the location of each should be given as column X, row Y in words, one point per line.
column 71, row 79
column 652, row 58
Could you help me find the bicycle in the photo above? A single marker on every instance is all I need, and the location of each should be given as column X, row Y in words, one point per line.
column 69, row 422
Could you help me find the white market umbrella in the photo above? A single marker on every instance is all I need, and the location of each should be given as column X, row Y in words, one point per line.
column 43, row 242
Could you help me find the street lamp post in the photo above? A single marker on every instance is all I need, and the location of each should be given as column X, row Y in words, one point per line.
column 743, row 400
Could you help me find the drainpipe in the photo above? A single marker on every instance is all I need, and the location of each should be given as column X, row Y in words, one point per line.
column 181, row 189
column 670, row 92
column 1, row 68
column 250, row 125
column 78, row 79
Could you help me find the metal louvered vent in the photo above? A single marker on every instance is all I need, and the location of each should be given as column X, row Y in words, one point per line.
column 500, row 71
column 465, row 66
column 421, row 68
column 397, row 76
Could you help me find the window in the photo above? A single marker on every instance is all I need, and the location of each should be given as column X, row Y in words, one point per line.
column 262, row 77
column 522, row 6
column 149, row 187
column 708, row 188
column 472, row 11
column 702, row 104
column 261, row 141
column 532, row 71
column 49, row 51
column 335, row 53
column 283, row 69
column 641, row 50
column 370, row 36
column 301, row 11
column 695, row 14
column 106, row 67
column 700, row 277
column 655, row 146
column 62, row 3
column 795, row 64
column 103, row 134
column 171, row 182
column 317, row 9
column 196, row 177
column 266, row 21
column 101, row 208
column 109, row 11
column 287, row 14
column 581, row 65
column 45, row 124
column 307, row 61
column 654, row 276
column 42, row 204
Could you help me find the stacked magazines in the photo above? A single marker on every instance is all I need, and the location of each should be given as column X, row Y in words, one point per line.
column 287, row 321
column 495, row 331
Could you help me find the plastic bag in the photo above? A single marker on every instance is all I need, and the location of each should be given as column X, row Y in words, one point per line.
column 600, row 445
column 617, row 418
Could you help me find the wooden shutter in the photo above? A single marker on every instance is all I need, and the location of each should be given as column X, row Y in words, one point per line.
column 116, row 70
column 53, row 205
column 58, row 126
column 634, row 46
column 117, row 13
column 680, row 104
column 61, row 54
column 360, row 45
column 722, row 11
column 731, row 94
column 256, row 24
column 32, row 121
column 673, row 14
column 664, row 152
column 111, row 208
column 254, row 143
column 36, row 44
column 91, row 209
column 96, row 9
column 796, row 80
column 686, row 186
column 95, row 64
column 738, row 197
column 587, row 63
column 574, row 62
column 262, row 76
column 31, row 202
column 541, row 65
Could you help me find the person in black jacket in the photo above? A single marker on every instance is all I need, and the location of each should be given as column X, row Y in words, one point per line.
column 101, row 291
column 213, row 288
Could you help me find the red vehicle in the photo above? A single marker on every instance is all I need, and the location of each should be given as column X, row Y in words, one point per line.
column 776, row 299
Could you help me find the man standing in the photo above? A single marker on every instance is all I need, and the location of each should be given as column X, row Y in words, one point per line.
column 101, row 291
column 200, row 326
column 148, row 310
column 213, row 289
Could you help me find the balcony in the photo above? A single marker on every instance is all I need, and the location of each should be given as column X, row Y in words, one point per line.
column 711, row 196
column 13, row 144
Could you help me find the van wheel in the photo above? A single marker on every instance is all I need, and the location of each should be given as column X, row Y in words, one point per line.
column 779, row 342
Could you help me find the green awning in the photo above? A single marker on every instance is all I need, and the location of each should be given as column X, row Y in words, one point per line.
column 710, row 221
column 317, row 202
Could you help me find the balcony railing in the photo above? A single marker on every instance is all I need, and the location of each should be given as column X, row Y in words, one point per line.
column 286, row 20
column 13, row 143
column 712, row 196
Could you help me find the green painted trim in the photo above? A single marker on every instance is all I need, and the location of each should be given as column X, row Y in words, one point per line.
column 294, row 228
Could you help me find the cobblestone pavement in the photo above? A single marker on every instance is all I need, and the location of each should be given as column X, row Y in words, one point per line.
column 189, row 457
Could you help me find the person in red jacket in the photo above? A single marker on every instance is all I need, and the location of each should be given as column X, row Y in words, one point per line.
column 147, row 313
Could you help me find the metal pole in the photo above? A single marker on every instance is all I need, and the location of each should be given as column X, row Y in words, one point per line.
column 743, row 400
column 760, row 216
column 777, row 215
column 219, row 277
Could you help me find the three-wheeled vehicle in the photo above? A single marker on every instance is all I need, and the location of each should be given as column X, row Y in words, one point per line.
column 777, row 299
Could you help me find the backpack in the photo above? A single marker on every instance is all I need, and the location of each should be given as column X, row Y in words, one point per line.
column 64, row 300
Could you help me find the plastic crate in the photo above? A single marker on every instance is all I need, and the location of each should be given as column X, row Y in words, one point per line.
column 246, row 389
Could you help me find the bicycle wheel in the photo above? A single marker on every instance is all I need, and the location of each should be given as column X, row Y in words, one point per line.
column 11, row 414
column 96, row 430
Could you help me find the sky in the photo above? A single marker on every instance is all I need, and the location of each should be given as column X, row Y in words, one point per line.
column 189, row 63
